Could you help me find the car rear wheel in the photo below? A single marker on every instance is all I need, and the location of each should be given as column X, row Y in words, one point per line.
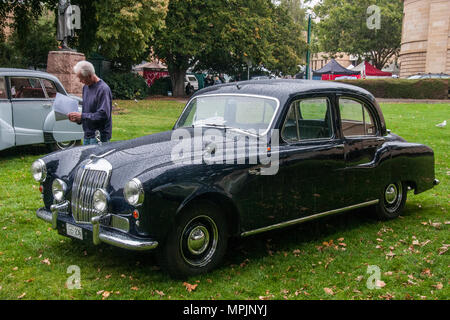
column 197, row 242
column 392, row 201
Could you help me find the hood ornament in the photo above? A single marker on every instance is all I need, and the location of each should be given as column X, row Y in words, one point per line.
column 98, row 137
column 94, row 157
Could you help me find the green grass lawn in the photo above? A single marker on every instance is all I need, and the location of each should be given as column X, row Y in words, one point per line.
column 323, row 259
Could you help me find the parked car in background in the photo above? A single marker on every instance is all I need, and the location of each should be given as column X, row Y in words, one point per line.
column 192, row 80
column 26, row 116
column 328, row 146
column 260, row 78
column 429, row 76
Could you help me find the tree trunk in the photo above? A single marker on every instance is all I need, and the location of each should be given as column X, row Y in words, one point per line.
column 177, row 76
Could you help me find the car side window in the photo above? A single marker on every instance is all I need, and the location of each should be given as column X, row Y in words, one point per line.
column 3, row 89
column 50, row 88
column 308, row 119
column 27, row 88
column 356, row 120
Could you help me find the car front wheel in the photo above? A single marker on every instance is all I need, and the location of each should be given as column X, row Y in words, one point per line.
column 392, row 201
column 197, row 242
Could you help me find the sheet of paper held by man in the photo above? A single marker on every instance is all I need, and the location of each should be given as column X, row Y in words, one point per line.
column 63, row 105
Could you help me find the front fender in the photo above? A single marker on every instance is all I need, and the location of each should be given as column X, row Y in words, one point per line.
column 61, row 130
column 167, row 202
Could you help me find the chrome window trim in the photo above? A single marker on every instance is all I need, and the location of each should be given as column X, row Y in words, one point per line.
column 45, row 98
column 299, row 140
column 369, row 110
column 308, row 218
column 270, row 125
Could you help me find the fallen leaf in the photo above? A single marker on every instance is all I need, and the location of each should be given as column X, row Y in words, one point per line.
column 190, row 287
column 426, row 272
column 380, row 284
column 328, row 291
column 22, row 295
column 160, row 293
column 438, row 286
column 105, row 295
column 46, row 261
column 135, row 288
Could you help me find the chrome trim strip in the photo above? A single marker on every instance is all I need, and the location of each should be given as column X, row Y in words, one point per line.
column 308, row 218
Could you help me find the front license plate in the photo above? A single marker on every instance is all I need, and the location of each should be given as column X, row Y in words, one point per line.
column 74, row 231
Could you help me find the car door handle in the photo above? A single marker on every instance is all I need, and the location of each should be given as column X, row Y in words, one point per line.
column 256, row 171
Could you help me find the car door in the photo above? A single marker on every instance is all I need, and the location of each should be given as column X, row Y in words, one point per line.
column 7, row 138
column 30, row 109
column 362, row 139
column 311, row 157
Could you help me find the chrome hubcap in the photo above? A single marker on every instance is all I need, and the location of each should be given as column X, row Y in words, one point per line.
column 391, row 193
column 198, row 240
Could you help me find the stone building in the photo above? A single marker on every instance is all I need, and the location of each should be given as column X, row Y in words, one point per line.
column 425, row 46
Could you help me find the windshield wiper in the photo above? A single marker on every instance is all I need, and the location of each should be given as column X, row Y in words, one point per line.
column 216, row 125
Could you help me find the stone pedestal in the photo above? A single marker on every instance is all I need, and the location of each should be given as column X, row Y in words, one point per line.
column 60, row 64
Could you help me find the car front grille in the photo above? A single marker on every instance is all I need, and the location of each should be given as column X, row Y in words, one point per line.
column 95, row 174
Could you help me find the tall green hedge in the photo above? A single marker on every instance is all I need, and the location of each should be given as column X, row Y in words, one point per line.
column 404, row 89
column 127, row 86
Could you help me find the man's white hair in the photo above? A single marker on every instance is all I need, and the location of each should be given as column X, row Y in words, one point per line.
column 84, row 68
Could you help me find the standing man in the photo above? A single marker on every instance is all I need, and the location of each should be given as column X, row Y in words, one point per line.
column 97, row 105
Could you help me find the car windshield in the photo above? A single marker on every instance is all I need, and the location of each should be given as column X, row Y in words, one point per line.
column 248, row 113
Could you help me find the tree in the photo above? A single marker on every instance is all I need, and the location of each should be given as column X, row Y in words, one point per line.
column 33, row 33
column 41, row 39
column 224, row 35
column 125, row 27
column 348, row 26
column 118, row 29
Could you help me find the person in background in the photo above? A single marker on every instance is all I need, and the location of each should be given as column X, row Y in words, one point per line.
column 208, row 81
column 217, row 81
column 97, row 105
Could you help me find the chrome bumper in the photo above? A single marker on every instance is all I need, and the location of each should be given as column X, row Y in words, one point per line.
column 99, row 234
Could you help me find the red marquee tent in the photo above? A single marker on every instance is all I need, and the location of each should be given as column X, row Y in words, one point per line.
column 369, row 71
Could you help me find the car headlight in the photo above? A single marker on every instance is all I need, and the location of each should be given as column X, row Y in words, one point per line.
column 59, row 189
column 134, row 192
column 39, row 170
column 101, row 199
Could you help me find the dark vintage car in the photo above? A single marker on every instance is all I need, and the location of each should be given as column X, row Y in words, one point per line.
column 325, row 150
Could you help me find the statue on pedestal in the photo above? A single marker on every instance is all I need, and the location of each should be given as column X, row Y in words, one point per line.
column 65, row 27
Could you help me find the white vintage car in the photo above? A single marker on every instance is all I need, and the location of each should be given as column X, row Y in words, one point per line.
column 26, row 115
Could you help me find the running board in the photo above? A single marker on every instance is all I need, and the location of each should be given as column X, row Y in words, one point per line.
column 308, row 218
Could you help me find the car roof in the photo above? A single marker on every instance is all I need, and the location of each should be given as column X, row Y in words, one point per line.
column 283, row 89
column 26, row 72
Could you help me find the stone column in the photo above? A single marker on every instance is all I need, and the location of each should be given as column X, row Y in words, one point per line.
column 60, row 64
column 438, row 32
